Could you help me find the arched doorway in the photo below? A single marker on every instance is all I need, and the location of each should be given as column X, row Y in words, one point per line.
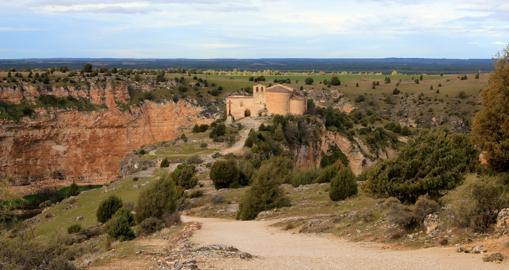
column 247, row 113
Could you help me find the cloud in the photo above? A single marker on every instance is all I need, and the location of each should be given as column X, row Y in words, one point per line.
column 18, row 29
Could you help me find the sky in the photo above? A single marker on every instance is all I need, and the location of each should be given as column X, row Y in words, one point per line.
column 253, row 28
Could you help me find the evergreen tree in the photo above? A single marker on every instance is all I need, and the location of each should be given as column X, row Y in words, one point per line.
column 491, row 124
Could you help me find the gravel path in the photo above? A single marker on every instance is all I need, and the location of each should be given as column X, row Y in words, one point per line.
column 276, row 249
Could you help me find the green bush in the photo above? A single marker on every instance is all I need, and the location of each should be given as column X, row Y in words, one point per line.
column 185, row 176
column 15, row 112
column 108, row 208
column 303, row 177
column 73, row 190
column 434, row 162
column 200, row 128
column 225, row 174
column 157, row 199
column 265, row 194
column 119, row 227
column 218, row 132
column 343, row 185
column 333, row 154
column 476, row 202
column 328, row 173
column 165, row 163
column 151, row 225
column 75, row 228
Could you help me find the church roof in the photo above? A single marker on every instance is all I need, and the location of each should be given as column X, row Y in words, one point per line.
column 279, row 88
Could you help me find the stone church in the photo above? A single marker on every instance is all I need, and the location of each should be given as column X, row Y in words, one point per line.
column 277, row 99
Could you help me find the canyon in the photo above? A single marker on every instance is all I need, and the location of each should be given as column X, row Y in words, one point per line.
column 85, row 147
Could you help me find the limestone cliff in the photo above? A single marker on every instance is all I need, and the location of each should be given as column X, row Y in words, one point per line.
column 85, row 147
column 97, row 92
column 359, row 156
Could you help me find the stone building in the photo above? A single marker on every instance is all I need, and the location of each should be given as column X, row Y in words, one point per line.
column 277, row 99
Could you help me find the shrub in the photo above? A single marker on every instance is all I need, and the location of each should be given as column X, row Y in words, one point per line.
column 303, row 177
column 335, row 81
column 73, row 190
column 108, row 208
column 24, row 252
column 401, row 215
column 119, row 227
column 151, row 225
column 476, row 202
column 196, row 159
column 225, row 174
column 165, row 163
column 327, row 173
column 343, row 185
column 157, row 199
column 432, row 163
column 75, row 228
column 264, row 194
column 309, row 81
column 489, row 129
column 200, row 128
column 333, row 154
column 423, row 207
column 185, row 176
column 218, row 131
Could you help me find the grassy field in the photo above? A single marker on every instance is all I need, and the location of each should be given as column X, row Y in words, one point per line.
column 57, row 218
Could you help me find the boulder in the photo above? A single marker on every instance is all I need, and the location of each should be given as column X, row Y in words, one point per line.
column 431, row 222
column 503, row 220
column 494, row 257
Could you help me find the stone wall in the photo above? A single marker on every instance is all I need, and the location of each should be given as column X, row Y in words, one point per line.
column 297, row 105
column 277, row 103
column 236, row 106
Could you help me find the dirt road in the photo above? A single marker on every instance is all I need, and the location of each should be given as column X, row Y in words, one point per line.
column 277, row 249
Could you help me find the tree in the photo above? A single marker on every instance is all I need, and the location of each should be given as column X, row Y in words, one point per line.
column 185, row 176
column 264, row 194
column 490, row 128
column 157, row 199
column 120, row 225
column 335, row 81
column 224, row 174
column 108, row 208
column 309, row 81
column 73, row 190
column 432, row 163
column 87, row 68
column 343, row 185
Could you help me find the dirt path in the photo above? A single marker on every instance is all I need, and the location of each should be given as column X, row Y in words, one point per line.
column 248, row 124
column 276, row 249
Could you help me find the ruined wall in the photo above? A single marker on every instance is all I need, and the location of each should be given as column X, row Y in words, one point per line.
column 236, row 106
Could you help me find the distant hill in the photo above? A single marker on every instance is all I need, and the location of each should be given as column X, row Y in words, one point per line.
column 386, row 65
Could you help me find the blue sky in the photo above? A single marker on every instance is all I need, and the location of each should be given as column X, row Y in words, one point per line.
column 253, row 28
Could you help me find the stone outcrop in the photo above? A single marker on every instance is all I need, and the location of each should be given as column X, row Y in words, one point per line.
column 359, row 156
column 85, row 147
column 98, row 93
column 503, row 221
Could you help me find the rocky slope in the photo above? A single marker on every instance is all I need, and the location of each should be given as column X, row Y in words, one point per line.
column 85, row 147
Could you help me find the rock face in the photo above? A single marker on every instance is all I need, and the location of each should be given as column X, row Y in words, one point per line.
column 359, row 156
column 431, row 223
column 97, row 92
column 503, row 221
column 87, row 147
